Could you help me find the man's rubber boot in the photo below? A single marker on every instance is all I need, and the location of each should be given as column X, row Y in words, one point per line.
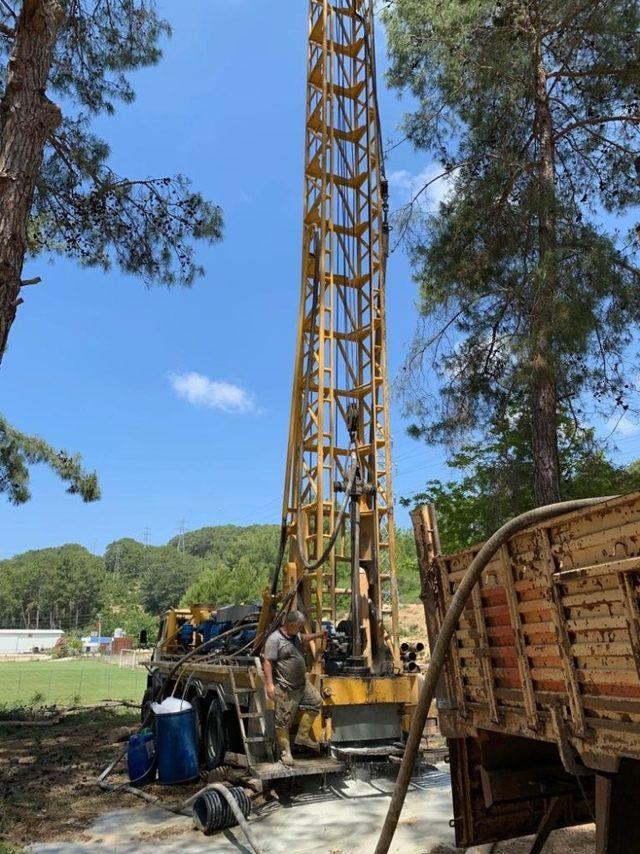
column 304, row 732
column 282, row 738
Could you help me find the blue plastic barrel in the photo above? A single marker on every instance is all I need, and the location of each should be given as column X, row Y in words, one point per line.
column 141, row 758
column 177, row 746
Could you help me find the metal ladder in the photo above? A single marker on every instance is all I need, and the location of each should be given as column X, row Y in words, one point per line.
column 256, row 712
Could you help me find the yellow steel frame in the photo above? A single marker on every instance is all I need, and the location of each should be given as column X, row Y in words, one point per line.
column 343, row 338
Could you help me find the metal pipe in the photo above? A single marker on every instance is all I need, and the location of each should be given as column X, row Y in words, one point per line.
column 442, row 646
column 356, row 616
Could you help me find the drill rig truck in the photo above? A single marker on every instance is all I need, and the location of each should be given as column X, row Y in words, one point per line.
column 337, row 558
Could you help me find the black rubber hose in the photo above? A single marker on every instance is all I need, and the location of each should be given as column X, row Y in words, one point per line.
column 211, row 812
column 441, row 649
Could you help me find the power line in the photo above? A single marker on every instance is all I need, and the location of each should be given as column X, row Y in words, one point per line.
column 182, row 529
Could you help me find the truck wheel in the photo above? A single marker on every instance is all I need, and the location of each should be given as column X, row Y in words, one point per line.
column 200, row 719
column 145, row 708
column 214, row 736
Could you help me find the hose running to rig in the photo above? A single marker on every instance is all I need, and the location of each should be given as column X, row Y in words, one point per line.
column 442, row 647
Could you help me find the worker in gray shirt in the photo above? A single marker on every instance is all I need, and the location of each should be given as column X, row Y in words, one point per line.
column 285, row 672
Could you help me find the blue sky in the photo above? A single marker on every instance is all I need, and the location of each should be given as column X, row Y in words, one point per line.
column 98, row 364
column 93, row 357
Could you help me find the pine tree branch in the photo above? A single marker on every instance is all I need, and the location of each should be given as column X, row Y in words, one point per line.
column 612, row 256
column 568, row 20
column 18, row 451
column 594, row 120
column 595, row 71
column 589, row 130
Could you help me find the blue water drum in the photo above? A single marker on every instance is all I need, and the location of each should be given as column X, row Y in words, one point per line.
column 141, row 758
column 176, row 744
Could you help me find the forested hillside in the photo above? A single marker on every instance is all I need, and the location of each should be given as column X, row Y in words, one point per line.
column 68, row 587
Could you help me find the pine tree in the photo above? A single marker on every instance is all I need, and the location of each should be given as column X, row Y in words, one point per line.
column 532, row 108
column 58, row 194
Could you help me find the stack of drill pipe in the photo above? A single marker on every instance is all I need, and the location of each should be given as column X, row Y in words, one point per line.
column 409, row 653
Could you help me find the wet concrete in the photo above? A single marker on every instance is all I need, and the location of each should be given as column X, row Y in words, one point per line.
column 343, row 818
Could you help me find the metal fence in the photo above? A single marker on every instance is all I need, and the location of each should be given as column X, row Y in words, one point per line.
column 130, row 658
column 82, row 681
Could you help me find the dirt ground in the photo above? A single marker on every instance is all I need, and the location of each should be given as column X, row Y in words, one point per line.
column 411, row 622
column 576, row 840
column 47, row 777
column 48, row 792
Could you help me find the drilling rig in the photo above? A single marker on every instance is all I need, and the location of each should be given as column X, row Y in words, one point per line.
column 337, row 511
column 336, row 560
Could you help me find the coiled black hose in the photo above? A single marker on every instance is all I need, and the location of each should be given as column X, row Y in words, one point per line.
column 211, row 811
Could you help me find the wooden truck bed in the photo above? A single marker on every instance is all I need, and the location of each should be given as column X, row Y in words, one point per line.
column 543, row 680
column 549, row 645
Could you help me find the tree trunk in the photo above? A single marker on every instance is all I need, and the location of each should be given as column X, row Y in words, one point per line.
column 27, row 118
column 544, row 414
column 546, row 480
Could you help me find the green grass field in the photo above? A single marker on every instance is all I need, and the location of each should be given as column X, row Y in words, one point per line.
column 66, row 682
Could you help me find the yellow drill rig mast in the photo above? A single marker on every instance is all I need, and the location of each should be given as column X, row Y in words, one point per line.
column 336, row 560
column 338, row 510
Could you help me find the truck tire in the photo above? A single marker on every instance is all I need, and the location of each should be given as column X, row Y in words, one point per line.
column 200, row 708
column 145, row 708
column 214, row 736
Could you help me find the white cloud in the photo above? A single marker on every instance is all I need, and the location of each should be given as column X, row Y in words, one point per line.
column 623, row 425
column 409, row 184
column 213, row 394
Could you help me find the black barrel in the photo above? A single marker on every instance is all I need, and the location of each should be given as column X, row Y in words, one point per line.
column 211, row 812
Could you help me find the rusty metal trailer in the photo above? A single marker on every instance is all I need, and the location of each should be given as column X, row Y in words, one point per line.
column 540, row 698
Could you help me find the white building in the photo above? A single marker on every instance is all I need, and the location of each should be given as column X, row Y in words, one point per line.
column 95, row 644
column 14, row 641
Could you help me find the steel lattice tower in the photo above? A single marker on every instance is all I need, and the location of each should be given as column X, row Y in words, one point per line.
column 341, row 344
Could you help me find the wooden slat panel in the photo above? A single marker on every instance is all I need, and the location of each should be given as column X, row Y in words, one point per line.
column 519, row 640
column 632, row 615
column 596, row 538
column 592, row 624
column 526, row 584
column 453, row 658
column 606, row 662
column 485, row 660
column 611, row 649
column 607, row 610
column 600, row 584
column 573, row 686
column 539, row 605
column 592, row 597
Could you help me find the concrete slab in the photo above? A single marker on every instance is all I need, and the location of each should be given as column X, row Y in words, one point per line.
column 343, row 819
